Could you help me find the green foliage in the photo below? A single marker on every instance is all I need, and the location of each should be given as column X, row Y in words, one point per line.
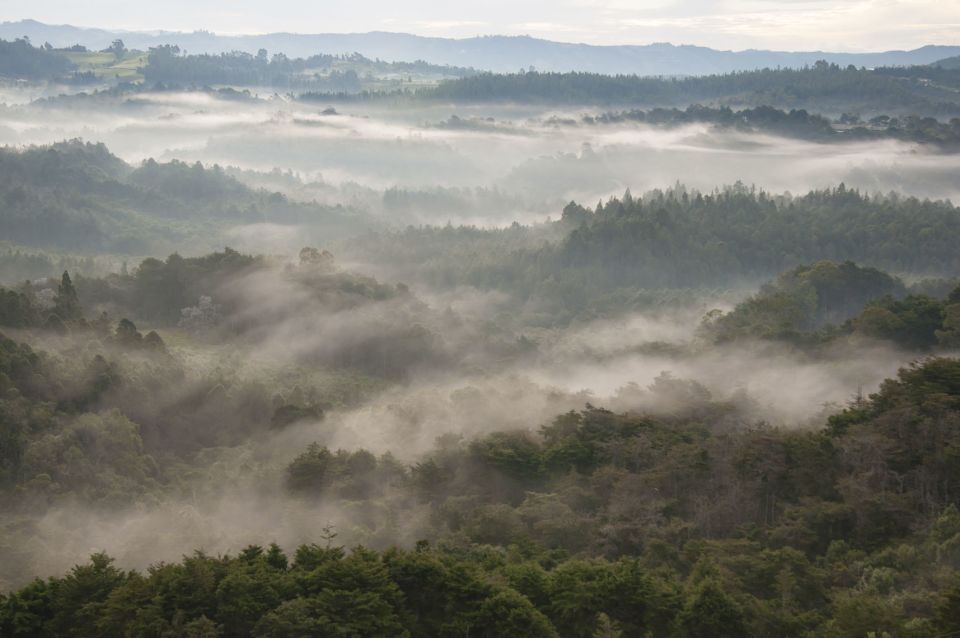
column 864, row 616
column 948, row 611
column 99, row 456
column 801, row 304
column 711, row 613
column 802, row 300
column 637, row 251
column 819, row 85
column 17, row 310
column 67, row 304
column 508, row 613
column 352, row 475
column 21, row 60
column 80, row 597
column 912, row 322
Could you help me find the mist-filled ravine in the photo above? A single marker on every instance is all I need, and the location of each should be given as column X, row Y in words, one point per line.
column 337, row 345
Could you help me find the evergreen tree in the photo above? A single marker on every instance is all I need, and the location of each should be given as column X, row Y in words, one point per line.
column 67, row 303
column 711, row 613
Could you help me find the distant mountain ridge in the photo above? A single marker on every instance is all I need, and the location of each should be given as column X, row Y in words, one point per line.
column 491, row 53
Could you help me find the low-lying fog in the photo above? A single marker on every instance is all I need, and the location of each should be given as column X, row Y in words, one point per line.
column 236, row 496
column 353, row 154
column 529, row 169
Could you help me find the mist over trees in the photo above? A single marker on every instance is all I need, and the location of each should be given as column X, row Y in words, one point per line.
column 78, row 196
column 309, row 343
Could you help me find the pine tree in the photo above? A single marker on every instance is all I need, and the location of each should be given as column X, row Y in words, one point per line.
column 67, row 303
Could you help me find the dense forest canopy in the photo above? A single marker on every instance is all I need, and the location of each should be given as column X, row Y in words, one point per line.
column 827, row 86
column 598, row 521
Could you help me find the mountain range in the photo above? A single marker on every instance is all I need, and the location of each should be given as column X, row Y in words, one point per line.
column 491, row 53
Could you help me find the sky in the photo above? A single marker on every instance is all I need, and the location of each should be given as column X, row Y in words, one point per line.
column 835, row 25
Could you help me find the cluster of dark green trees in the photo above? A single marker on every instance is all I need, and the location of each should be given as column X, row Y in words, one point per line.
column 796, row 123
column 817, row 304
column 712, row 229
column 21, row 60
column 323, row 72
column 824, row 86
column 325, row 590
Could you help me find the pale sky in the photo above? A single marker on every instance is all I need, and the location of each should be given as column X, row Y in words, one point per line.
column 836, row 25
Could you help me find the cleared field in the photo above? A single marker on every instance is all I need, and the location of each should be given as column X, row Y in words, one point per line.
column 106, row 65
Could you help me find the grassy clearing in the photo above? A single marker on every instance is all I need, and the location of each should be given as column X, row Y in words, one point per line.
column 106, row 65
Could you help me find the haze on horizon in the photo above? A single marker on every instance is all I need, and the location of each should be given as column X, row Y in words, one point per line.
column 856, row 26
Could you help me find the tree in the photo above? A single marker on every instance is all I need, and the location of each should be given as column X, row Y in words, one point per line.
column 911, row 322
column 245, row 595
column 17, row 310
column 949, row 335
column 711, row 613
column 332, row 612
column 606, row 628
column 26, row 612
column 127, row 334
column 948, row 610
column 508, row 613
column 153, row 341
column 80, row 596
column 864, row 615
column 67, row 304
column 117, row 48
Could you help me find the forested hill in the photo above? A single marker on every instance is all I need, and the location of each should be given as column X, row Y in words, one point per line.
column 322, row 72
column 948, row 63
column 676, row 238
column 679, row 238
column 821, row 87
column 79, row 197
